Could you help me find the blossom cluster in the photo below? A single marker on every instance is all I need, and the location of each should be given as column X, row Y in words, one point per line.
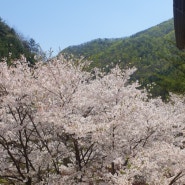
column 60, row 124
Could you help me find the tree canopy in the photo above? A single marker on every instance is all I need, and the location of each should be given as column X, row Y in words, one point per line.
column 63, row 125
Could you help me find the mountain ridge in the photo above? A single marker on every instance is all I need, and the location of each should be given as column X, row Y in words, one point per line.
column 12, row 45
column 152, row 51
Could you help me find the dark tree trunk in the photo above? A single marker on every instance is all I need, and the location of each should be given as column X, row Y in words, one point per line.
column 179, row 22
column 29, row 181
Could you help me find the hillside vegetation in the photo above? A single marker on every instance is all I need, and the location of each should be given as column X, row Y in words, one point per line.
column 152, row 51
column 12, row 45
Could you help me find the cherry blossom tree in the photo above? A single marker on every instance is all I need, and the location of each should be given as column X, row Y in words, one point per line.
column 63, row 125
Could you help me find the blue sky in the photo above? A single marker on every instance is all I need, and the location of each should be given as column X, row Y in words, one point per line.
column 60, row 23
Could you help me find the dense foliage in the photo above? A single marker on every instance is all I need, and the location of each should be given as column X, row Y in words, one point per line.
column 152, row 51
column 12, row 45
column 62, row 125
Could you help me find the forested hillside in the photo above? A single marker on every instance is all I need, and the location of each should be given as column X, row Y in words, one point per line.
column 152, row 51
column 12, row 45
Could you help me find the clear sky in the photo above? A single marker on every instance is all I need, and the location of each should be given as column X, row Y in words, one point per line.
column 60, row 23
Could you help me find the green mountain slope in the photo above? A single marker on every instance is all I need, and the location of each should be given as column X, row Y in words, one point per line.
column 12, row 45
column 152, row 51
